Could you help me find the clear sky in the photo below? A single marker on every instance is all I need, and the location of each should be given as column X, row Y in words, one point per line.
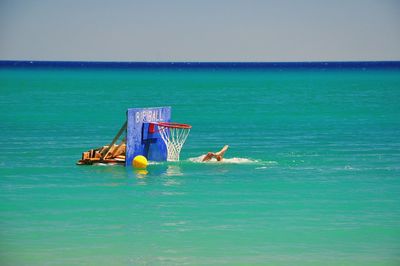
column 203, row 30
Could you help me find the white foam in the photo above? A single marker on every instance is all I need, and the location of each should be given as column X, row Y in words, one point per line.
column 153, row 162
column 234, row 160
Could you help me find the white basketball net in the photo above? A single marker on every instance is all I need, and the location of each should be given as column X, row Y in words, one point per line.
column 174, row 138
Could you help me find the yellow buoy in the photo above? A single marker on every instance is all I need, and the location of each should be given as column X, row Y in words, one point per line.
column 139, row 162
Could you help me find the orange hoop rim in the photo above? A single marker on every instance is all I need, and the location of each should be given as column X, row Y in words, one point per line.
column 173, row 125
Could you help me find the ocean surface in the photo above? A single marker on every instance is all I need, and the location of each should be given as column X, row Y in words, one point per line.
column 312, row 175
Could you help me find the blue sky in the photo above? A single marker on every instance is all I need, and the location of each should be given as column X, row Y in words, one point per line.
column 171, row 30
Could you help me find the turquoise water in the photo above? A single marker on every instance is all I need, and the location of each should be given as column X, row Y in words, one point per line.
column 312, row 176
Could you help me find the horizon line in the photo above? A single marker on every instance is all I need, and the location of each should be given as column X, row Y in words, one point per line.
column 199, row 62
column 30, row 64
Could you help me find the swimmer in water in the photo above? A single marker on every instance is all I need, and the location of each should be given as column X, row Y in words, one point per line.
column 217, row 155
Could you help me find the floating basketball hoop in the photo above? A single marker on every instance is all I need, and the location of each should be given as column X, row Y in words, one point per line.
column 174, row 136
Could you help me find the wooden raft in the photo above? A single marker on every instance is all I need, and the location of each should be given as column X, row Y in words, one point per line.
column 108, row 154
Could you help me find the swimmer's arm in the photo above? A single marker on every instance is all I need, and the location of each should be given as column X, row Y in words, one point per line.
column 222, row 151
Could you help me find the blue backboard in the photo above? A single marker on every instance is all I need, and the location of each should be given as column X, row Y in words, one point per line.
column 138, row 142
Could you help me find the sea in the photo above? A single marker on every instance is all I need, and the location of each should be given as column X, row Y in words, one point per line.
column 311, row 176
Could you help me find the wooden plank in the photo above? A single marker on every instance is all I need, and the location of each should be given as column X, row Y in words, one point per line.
column 119, row 150
column 106, row 151
column 85, row 155
column 110, row 151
